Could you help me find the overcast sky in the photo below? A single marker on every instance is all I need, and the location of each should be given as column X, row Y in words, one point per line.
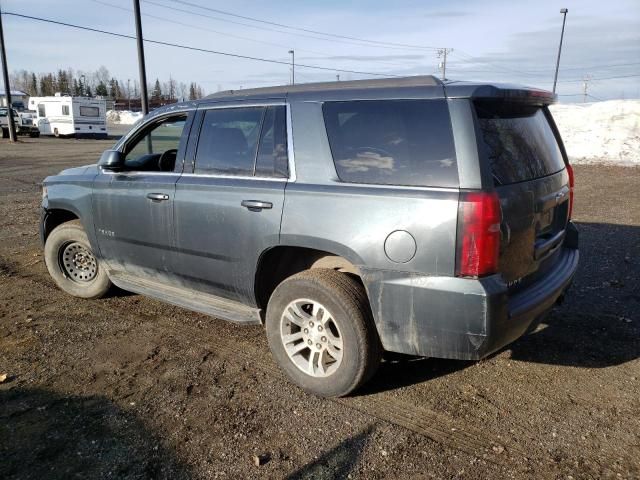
column 512, row 41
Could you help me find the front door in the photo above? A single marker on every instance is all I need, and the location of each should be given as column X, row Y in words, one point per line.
column 228, row 210
column 133, row 208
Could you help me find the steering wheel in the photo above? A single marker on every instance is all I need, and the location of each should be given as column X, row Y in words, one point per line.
column 167, row 160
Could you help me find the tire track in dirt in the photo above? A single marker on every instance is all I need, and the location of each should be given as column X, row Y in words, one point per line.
column 438, row 427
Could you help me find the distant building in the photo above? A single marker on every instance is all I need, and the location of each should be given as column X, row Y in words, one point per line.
column 19, row 99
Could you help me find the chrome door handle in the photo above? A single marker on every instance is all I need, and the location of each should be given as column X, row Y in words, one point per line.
column 157, row 197
column 256, row 204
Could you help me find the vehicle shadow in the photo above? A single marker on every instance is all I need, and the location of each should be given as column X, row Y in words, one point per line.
column 44, row 434
column 597, row 326
column 599, row 323
column 337, row 462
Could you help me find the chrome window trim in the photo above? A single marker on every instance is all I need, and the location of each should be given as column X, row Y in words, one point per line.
column 236, row 177
column 136, row 172
column 290, row 150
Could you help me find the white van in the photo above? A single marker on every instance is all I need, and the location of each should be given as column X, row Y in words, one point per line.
column 67, row 116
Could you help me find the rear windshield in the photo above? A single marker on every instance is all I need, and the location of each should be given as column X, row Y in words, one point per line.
column 392, row 142
column 519, row 142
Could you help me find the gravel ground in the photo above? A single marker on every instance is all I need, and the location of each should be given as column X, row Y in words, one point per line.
column 128, row 387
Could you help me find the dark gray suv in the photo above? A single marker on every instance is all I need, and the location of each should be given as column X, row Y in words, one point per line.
column 351, row 218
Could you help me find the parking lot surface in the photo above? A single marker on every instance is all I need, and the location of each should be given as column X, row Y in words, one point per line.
column 129, row 387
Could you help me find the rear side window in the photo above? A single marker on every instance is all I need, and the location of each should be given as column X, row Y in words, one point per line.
column 272, row 160
column 244, row 141
column 41, row 110
column 228, row 141
column 392, row 142
column 519, row 142
column 65, row 109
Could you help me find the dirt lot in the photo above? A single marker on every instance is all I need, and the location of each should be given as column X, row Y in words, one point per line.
column 128, row 387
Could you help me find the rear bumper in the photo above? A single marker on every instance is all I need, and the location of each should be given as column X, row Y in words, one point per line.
column 466, row 319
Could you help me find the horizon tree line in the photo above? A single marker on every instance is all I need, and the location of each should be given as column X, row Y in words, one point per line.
column 100, row 83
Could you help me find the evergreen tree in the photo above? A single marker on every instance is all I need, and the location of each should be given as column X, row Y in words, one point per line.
column 157, row 91
column 63, row 82
column 76, row 88
column 192, row 91
column 33, row 90
column 101, row 90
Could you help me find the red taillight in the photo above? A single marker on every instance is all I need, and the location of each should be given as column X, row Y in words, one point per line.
column 478, row 234
column 571, row 184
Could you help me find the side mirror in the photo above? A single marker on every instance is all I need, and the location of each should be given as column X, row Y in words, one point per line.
column 111, row 160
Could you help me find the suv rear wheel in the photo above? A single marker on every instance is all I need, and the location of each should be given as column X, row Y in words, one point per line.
column 71, row 262
column 321, row 332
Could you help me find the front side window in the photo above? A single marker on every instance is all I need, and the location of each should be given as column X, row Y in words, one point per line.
column 65, row 109
column 392, row 142
column 156, row 149
column 89, row 111
column 41, row 110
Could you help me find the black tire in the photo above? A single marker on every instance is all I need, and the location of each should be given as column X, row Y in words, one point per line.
column 347, row 301
column 5, row 133
column 63, row 239
column 34, row 135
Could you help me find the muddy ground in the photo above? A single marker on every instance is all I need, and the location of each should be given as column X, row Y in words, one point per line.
column 128, row 387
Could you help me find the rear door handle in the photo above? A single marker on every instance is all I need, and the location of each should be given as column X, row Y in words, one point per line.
column 157, row 197
column 255, row 205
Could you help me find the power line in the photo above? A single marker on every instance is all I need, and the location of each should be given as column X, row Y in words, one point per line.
column 226, row 34
column 299, row 29
column 601, row 78
column 197, row 49
column 268, row 29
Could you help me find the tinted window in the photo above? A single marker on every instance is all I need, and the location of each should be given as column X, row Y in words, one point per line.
column 41, row 110
column 65, row 109
column 395, row 142
column 228, row 141
column 89, row 112
column 272, row 160
column 519, row 142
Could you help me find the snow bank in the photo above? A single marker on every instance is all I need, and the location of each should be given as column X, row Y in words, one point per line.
column 123, row 117
column 601, row 132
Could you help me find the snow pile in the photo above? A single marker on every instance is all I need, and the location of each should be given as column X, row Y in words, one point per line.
column 601, row 132
column 123, row 117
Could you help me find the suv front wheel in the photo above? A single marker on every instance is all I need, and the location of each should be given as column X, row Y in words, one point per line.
column 321, row 332
column 71, row 262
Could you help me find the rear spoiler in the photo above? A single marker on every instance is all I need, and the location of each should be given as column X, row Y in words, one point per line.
column 511, row 93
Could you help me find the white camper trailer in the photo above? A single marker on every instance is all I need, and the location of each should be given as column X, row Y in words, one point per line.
column 66, row 116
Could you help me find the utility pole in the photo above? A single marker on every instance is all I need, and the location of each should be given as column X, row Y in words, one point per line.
column 585, row 86
column 442, row 53
column 144, row 99
column 7, row 88
column 293, row 67
column 563, row 11
column 128, row 94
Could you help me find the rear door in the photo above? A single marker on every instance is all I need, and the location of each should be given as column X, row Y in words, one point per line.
column 528, row 169
column 228, row 208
